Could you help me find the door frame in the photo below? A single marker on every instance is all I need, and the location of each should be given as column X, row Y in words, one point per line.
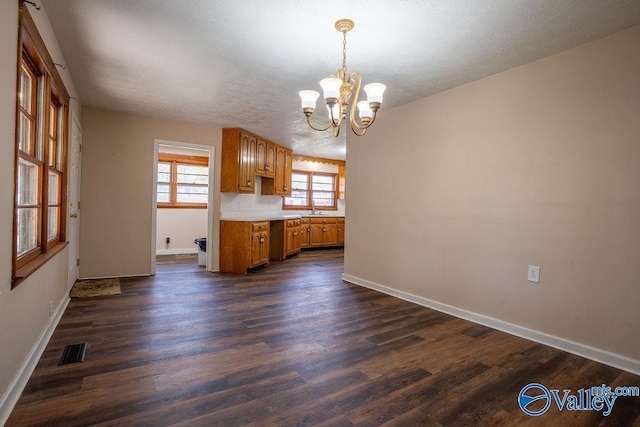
column 211, row 250
column 72, row 264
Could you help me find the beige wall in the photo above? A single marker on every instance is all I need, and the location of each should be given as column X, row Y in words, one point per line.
column 536, row 165
column 117, row 188
column 182, row 226
column 24, row 311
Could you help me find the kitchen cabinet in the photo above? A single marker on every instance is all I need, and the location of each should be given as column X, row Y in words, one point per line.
column 323, row 232
column 243, row 245
column 265, row 158
column 281, row 184
column 238, row 161
column 341, row 231
column 304, row 232
column 285, row 238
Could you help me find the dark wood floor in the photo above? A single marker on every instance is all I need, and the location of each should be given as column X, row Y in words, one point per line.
column 293, row 345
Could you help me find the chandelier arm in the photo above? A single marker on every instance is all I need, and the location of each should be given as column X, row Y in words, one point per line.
column 357, row 82
column 318, row 129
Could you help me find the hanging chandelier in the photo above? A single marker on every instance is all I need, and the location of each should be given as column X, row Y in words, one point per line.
column 338, row 89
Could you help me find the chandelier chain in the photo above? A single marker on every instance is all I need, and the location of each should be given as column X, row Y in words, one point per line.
column 344, row 50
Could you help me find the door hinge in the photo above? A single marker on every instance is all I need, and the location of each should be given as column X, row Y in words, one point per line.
column 77, row 262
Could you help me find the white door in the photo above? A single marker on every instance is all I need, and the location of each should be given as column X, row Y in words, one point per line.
column 73, row 200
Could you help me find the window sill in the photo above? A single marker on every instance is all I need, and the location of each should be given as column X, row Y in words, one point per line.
column 32, row 266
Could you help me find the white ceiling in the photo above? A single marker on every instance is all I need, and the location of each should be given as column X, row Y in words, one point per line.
column 242, row 62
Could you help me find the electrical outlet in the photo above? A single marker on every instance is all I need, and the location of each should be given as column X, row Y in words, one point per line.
column 534, row 274
column 50, row 308
column 168, row 240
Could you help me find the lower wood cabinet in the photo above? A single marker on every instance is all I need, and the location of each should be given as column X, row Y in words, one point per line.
column 324, row 232
column 286, row 238
column 243, row 245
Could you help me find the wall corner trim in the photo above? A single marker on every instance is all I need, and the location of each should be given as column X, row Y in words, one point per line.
column 11, row 396
column 596, row 354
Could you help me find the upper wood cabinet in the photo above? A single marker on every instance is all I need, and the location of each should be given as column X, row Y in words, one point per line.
column 238, row 161
column 281, row 184
column 265, row 158
column 245, row 156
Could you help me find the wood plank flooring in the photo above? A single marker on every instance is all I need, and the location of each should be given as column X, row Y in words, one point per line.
column 293, row 345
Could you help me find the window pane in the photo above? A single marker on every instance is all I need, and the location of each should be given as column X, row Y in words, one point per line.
column 27, row 191
column 190, row 174
column 27, row 230
column 164, row 177
column 192, row 198
column 292, row 201
column 54, row 221
column 26, row 89
column 323, row 187
column 193, row 169
column 296, row 185
column 54, row 184
column 164, row 188
column 52, row 152
column 164, row 167
column 323, row 202
column 192, row 194
column 24, row 142
column 53, row 120
column 163, row 198
column 322, row 179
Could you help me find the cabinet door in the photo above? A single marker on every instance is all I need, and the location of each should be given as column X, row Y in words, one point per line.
column 316, row 235
column 264, row 248
column 330, row 232
column 290, row 240
column 281, row 161
column 246, row 178
column 304, row 236
column 256, row 247
column 288, row 170
column 270, row 161
column 340, row 233
column 297, row 239
column 261, row 157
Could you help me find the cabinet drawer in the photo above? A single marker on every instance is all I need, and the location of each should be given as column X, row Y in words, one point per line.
column 259, row 226
column 324, row 220
column 293, row 223
column 304, row 221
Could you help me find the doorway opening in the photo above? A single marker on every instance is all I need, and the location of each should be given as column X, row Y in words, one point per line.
column 182, row 201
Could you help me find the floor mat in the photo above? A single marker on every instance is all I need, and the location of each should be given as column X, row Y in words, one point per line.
column 95, row 288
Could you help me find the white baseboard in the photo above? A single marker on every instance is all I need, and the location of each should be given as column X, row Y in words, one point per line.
column 18, row 384
column 176, row 251
column 599, row 355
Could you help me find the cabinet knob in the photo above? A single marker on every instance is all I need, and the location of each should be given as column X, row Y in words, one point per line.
column 284, row 188
column 324, row 230
column 295, row 233
column 248, row 183
column 339, row 228
column 266, row 167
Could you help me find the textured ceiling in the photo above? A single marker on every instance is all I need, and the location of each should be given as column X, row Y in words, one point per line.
column 242, row 62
